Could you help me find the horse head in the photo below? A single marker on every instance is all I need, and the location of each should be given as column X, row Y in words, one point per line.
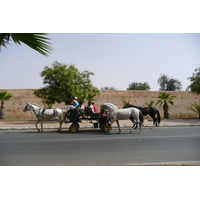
column 109, row 106
column 27, row 107
column 126, row 105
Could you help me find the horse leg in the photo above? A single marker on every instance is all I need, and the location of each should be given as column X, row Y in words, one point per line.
column 60, row 122
column 154, row 121
column 41, row 125
column 59, row 130
column 141, row 124
column 112, row 121
column 37, row 126
column 140, row 128
column 117, row 121
column 134, row 124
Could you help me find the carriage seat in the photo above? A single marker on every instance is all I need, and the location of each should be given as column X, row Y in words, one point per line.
column 90, row 113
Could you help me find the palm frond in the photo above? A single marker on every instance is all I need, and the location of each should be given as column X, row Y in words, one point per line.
column 171, row 102
column 194, row 108
column 124, row 101
column 159, row 102
column 4, row 95
column 36, row 41
column 4, row 39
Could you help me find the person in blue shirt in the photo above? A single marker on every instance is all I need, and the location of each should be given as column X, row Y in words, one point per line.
column 73, row 104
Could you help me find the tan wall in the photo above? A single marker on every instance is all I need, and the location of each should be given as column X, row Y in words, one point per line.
column 14, row 107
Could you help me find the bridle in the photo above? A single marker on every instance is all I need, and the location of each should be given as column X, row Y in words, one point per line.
column 27, row 108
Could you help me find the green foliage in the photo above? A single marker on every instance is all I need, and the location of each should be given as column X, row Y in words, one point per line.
column 138, row 86
column 195, row 81
column 36, row 41
column 168, row 84
column 108, row 88
column 195, row 108
column 150, row 104
column 164, row 99
column 63, row 81
column 47, row 104
column 90, row 97
column 124, row 101
column 4, row 96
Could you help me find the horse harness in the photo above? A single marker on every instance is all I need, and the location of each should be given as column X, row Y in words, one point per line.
column 43, row 111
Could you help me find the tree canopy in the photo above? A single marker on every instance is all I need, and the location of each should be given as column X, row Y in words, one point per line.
column 63, row 81
column 195, row 81
column 138, row 86
column 108, row 88
column 4, row 96
column 36, row 41
column 165, row 98
column 169, row 84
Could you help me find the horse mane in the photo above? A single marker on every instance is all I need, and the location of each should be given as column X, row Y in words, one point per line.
column 35, row 104
column 130, row 105
column 111, row 105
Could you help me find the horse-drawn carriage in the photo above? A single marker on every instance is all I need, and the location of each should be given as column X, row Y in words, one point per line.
column 103, row 122
column 74, row 118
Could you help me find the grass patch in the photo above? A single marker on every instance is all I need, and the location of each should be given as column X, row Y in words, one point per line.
column 16, row 119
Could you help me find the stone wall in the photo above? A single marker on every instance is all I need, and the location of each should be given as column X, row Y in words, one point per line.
column 14, row 107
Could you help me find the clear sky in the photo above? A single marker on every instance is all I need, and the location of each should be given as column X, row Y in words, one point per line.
column 116, row 59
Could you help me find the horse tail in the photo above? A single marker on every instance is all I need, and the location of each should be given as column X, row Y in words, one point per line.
column 141, row 118
column 159, row 118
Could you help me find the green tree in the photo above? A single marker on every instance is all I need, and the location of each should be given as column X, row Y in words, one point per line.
column 108, row 88
column 4, row 96
column 138, row 86
column 165, row 98
column 36, row 41
column 195, row 81
column 169, row 84
column 62, row 82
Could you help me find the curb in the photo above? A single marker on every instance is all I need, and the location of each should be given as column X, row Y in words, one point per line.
column 115, row 126
column 179, row 163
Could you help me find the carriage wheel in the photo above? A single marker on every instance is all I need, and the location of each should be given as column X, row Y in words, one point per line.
column 74, row 128
column 106, row 127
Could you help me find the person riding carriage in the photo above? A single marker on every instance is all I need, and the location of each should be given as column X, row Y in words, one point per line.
column 73, row 105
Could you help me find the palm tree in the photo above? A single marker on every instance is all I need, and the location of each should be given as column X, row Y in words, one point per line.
column 124, row 101
column 195, row 108
column 164, row 99
column 36, row 41
column 4, row 96
column 150, row 104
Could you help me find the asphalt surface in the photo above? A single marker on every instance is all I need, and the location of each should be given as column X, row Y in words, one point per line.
column 174, row 146
column 51, row 126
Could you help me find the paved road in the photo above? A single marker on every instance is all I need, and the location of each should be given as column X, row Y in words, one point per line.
column 179, row 145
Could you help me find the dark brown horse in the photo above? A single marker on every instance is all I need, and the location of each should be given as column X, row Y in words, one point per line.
column 148, row 111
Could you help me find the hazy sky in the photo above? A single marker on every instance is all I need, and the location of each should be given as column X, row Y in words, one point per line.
column 116, row 59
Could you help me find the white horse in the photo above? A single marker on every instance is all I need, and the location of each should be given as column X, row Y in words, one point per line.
column 134, row 114
column 45, row 113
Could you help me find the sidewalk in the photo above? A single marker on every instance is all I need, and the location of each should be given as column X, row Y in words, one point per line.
column 26, row 125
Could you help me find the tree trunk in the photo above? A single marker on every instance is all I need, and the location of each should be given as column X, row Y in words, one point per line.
column 166, row 108
column 2, row 113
